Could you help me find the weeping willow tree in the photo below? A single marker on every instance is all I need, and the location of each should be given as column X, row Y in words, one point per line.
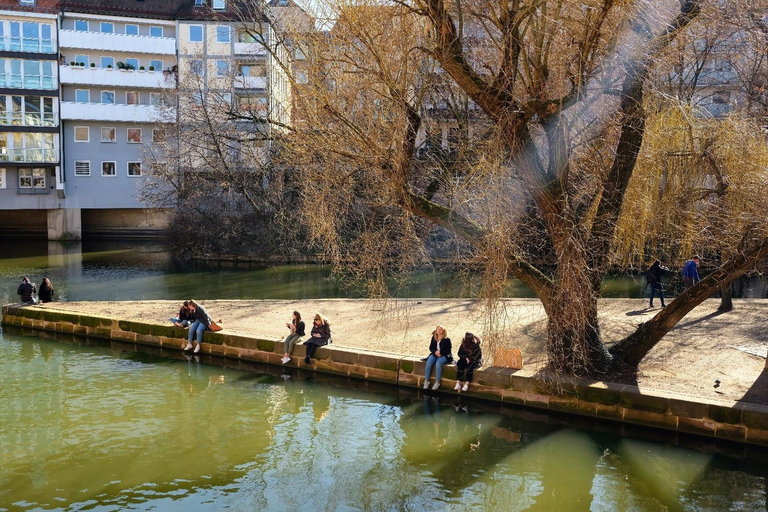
column 514, row 126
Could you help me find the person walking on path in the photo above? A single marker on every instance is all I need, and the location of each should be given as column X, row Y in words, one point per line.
column 691, row 272
column 439, row 355
column 26, row 291
column 321, row 333
column 653, row 277
column 201, row 323
column 470, row 357
column 296, row 327
column 46, row 291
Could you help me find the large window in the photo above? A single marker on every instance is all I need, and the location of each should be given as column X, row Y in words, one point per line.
column 131, row 30
column 134, row 168
column 132, row 62
column 27, row 111
column 155, row 31
column 109, row 169
column 219, row 4
column 28, row 147
column 132, row 98
column 108, row 97
column 81, row 25
column 156, row 64
column 158, row 136
column 82, row 168
column 196, row 67
column 107, row 62
column 32, row 178
column 156, row 99
column 196, row 33
column 82, row 96
column 107, row 27
column 108, row 134
column 134, row 135
column 82, row 59
column 29, row 36
column 222, row 68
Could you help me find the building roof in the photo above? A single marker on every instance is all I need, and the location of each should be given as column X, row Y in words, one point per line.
column 157, row 9
column 41, row 6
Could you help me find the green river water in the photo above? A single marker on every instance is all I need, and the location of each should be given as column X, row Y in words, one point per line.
column 84, row 426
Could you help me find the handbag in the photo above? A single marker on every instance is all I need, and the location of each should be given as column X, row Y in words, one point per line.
column 215, row 326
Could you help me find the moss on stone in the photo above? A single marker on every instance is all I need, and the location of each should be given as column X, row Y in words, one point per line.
column 406, row 366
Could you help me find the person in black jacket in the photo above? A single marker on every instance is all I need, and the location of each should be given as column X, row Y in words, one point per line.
column 201, row 323
column 185, row 317
column 27, row 291
column 653, row 277
column 296, row 327
column 321, row 333
column 470, row 357
column 46, row 291
column 439, row 355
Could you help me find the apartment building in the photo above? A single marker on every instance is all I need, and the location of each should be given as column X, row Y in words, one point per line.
column 30, row 177
column 84, row 91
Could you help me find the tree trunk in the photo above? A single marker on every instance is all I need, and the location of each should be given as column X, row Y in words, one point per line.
column 632, row 349
column 726, row 300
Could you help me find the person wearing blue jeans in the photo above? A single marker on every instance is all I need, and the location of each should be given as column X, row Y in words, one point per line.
column 439, row 355
column 201, row 323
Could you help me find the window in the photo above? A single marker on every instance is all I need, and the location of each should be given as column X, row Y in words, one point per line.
column 196, row 33
column 107, row 62
column 219, row 4
column 131, row 30
column 157, row 64
column 82, row 134
column 81, row 25
column 223, row 34
column 197, row 98
column 132, row 62
column 134, row 135
column 82, row 168
column 131, row 98
column 108, row 97
column 107, row 27
column 31, row 178
column 158, row 136
column 222, row 68
column 108, row 135
column 159, row 168
column 82, row 96
column 31, row 74
column 301, row 77
column 156, row 99
column 196, row 67
column 155, row 31
column 109, row 168
column 81, row 59
column 134, row 168
column 2, row 178
column 27, row 2
column 199, row 3
column 245, row 37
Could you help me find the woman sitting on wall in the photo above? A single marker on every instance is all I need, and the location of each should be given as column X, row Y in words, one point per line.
column 297, row 331
column 321, row 333
column 439, row 355
column 185, row 316
column 470, row 357
column 201, row 323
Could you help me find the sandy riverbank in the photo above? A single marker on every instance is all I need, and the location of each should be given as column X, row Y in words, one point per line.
column 705, row 346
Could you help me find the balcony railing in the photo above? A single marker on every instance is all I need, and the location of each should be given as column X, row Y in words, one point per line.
column 116, row 42
column 19, row 119
column 27, row 81
column 250, row 82
column 111, row 112
column 29, row 155
column 250, row 49
column 116, row 77
column 26, row 44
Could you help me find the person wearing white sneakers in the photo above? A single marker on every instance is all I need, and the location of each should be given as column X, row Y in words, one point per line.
column 439, row 355
column 470, row 357
column 201, row 323
column 297, row 331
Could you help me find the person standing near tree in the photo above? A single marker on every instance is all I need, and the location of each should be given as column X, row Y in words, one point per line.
column 691, row 272
column 653, row 277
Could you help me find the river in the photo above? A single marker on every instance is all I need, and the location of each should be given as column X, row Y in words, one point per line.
column 87, row 427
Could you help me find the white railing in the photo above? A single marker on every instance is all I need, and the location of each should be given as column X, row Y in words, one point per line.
column 250, row 49
column 116, row 77
column 117, row 42
column 250, row 82
column 111, row 112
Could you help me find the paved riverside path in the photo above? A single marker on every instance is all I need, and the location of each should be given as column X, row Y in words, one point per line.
column 703, row 347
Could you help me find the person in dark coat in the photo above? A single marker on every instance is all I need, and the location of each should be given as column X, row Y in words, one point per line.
column 321, row 333
column 46, row 291
column 296, row 326
column 201, row 323
column 439, row 355
column 653, row 276
column 185, row 316
column 470, row 357
column 27, row 291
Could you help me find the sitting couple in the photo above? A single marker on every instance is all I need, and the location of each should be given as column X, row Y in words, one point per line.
column 319, row 336
column 470, row 357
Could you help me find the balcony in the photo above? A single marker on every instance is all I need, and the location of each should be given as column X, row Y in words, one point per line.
column 47, row 119
column 116, row 78
column 250, row 49
column 250, row 82
column 17, row 81
column 26, row 44
column 73, row 39
column 120, row 113
column 29, row 155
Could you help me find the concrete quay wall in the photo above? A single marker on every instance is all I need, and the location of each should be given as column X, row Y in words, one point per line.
column 731, row 421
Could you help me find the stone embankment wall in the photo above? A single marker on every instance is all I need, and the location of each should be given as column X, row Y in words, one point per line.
column 743, row 423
